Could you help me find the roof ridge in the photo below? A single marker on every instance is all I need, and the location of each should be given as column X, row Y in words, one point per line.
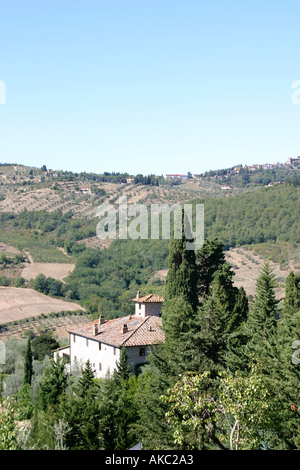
column 142, row 323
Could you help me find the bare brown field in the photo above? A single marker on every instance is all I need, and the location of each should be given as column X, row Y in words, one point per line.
column 55, row 270
column 18, row 303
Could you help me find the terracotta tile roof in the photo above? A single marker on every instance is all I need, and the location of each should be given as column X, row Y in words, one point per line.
column 140, row 331
column 149, row 298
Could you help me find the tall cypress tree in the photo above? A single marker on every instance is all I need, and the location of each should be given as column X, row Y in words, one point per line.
column 209, row 259
column 179, row 308
column 28, row 370
column 182, row 273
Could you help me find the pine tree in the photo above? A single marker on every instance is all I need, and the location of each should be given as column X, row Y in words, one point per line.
column 262, row 330
column 123, row 369
column 262, row 320
column 212, row 336
column 220, row 319
column 86, row 380
column 28, row 370
column 53, row 384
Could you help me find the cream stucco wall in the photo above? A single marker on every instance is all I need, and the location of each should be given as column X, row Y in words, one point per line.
column 151, row 309
column 101, row 360
column 104, row 360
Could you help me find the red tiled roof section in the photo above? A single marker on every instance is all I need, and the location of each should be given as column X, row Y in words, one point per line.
column 149, row 332
column 140, row 331
column 149, row 298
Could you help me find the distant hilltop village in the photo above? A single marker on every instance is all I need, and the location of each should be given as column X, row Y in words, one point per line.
column 257, row 166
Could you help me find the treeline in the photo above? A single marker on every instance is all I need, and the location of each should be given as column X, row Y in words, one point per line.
column 261, row 176
column 62, row 226
column 226, row 377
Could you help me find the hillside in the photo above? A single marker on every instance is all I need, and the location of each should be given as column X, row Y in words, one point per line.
column 25, row 188
column 48, row 228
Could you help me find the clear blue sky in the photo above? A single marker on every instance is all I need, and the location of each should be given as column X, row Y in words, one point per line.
column 149, row 86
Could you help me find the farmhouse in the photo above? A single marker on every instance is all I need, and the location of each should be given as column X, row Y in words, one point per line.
column 100, row 342
column 175, row 176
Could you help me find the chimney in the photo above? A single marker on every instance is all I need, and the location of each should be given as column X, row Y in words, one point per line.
column 95, row 329
column 138, row 294
column 101, row 320
column 124, row 328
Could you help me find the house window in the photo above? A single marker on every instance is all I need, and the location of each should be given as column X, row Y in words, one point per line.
column 142, row 351
column 74, row 338
column 115, row 351
column 100, row 366
column 99, row 346
column 87, row 342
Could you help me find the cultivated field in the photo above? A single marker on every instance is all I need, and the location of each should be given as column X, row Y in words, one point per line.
column 247, row 266
column 18, row 303
column 56, row 270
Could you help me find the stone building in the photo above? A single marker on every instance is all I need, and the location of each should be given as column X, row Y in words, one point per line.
column 101, row 341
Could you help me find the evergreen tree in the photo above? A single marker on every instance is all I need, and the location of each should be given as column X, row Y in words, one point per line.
column 182, row 274
column 177, row 353
column 209, row 259
column 151, row 426
column 108, row 420
column 173, row 357
column 53, row 385
column 292, row 295
column 126, row 412
column 86, row 380
column 261, row 330
column 288, row 369
column 220, row 319
column 118, row 412
column 80, row 409
column 213, row 320
column 28, row 371
column 262, row 321
column 123, row 369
